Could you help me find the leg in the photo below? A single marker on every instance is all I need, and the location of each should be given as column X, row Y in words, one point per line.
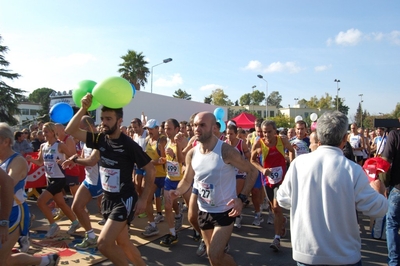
column 149, row 207
column 168, row 209
column 138, row 183
column 216, row 240
column 16, row 259
column 82, row 198
column 392, row 227
column 193, row 212
column 42, row 204
column 278, row 221
column 130, row 250
column 59, row 199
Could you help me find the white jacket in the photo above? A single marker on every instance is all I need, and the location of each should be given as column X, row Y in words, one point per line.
column 323, row 191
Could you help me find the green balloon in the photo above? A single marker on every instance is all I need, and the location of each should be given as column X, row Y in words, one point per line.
column 113, row 92
column 84, row 87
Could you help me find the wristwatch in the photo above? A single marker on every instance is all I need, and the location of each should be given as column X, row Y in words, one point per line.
column 4, row 222
column 242, row 197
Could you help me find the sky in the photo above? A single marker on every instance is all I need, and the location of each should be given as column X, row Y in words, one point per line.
column 299, row 47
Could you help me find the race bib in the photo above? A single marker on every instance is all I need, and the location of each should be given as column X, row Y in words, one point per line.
column 110, row 179
column 276, row 175
column 173, row 169
column 49, row 167
column 206, row 193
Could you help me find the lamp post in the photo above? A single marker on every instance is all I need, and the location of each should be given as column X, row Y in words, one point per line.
column 361, row 115
column 296, row 101
column 253, row 92
column 266, row 96
column 337, row 93
column 163, row 62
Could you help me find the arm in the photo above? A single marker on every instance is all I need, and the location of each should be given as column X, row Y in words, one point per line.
column 73, row 125
column 187, row 179
column 18, row 169
column 148, row 184
column 189, row 146
column 181, row 143
column 6, row 202
column 39, row 161
column 246, row 150
column 92, row 160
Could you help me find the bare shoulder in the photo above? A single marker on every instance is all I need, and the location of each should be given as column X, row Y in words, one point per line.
column 228, row 151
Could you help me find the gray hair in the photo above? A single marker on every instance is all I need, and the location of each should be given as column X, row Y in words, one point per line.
column 332, row 127
column 269, row 123
column 6, row 132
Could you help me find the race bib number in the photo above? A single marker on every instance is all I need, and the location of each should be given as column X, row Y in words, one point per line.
column 49, row 167
column 206, row 193
column 276, row 175
column 110, row 179
column 173, row 169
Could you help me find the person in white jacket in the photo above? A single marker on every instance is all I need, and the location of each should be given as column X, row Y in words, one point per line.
column 324, row 191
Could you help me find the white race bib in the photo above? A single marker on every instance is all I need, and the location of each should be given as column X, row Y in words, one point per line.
column 276, row 175
column 173, row 169
column 110, row 179
column 49, row 167
column 206, row 193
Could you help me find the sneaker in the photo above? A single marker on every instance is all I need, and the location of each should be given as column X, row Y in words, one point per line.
column 59, row 216
column 258, row 220
column 87, row 243
column 24, row 244
column 54, row 259
column 102, row 222
column 265, row 205
column 178, row 222
column 276, row 244
column 150, row 230
column 32, row 217
column 73, row 227
column 169, row 240
column 196, row 236
column 270, row 218
column 227, row 248
column 142, row 215
column 55, row 212
column 238, row 221
column 52, row 231
column 246, row 203
column 283, row 232
column 158, row 218
column 201, row 250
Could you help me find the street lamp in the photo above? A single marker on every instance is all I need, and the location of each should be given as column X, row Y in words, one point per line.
column 296, row 101
column 252, row 91
column 361, row 115
column 337, row 93
column 266, row 96
column 163, row 62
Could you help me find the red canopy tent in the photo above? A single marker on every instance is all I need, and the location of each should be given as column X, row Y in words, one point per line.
column 245, row 120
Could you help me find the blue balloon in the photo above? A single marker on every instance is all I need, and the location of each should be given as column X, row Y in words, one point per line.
column 223, row 125
column 133, row 89
column 219, row 113
column 61, row 113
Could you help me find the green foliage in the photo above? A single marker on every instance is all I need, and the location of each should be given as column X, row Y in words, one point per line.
column 208, row 100
column 134, row 68
column 257, row 97
column 9, row 97
column 42, row 96
column 181, row 94
column 283, row 121
column 220, row 98
column 275, row 99
column 396, row 112
column 245, row 99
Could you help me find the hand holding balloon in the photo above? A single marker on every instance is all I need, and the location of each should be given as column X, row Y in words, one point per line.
column 86, row 101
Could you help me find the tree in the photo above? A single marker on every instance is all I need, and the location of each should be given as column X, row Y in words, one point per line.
column 342, row 108
column 9, row 96
column 220, row 98
column 257, row 97
column 208, row 100
column 283, row 121
column 245, row 99
column 134, row 68
column 275, row 99
column 396, row 112
column 42, row 96
column 181, row 94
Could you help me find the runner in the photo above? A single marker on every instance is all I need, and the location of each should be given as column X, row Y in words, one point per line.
column 357, row 142
column 300, row 142
column 52, row 153
column 15, row 223
column 90, row 187
column 211, row 166
column 118, row 154
column 268, row 156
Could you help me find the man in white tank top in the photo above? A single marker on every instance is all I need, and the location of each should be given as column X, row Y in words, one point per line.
column 211, row 166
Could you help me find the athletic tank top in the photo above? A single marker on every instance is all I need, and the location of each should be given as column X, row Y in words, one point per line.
column 153, row 152
column 19, row 188
column 50, row 155
column 92, row 175
column 174, row 168
column 274, row 158
column 380, row 144
column 355, row 142
column 141, row 140
column 302, row 146
column 214, row 179
column 239, row 148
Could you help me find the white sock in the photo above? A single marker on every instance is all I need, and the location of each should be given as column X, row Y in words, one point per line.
column 45, row 261
column 278, row 237
column 91, row 234
column 178, row 215
column 153, row 224
column 172, row 231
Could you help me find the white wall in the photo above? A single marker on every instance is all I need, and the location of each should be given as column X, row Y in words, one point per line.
column 161, row 107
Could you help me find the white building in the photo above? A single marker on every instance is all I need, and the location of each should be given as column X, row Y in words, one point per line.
column 29, row 113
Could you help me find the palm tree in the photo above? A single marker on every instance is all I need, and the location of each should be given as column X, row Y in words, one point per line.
column 181, row 94
column 134, row 68
column 9, row 96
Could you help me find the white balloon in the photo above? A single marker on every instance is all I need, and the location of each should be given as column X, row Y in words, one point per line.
column 298, row 118
column 313, row 117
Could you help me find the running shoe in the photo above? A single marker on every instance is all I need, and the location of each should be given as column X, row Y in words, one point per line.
column 150, row 230
column 238, row 221
column 55, row 211
column 87, row 243
column 54, row 259
column 73, row 227
column 102, row 222
column 24, row 244
column 169, row 240
column 258, row 220
column 59, row 215
column 276, row 244
column 52, row 231
column 142, row 215
column 201, row 250
column 159, row 218
column 178, row 222
column 196, row 236
column 270, row 218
